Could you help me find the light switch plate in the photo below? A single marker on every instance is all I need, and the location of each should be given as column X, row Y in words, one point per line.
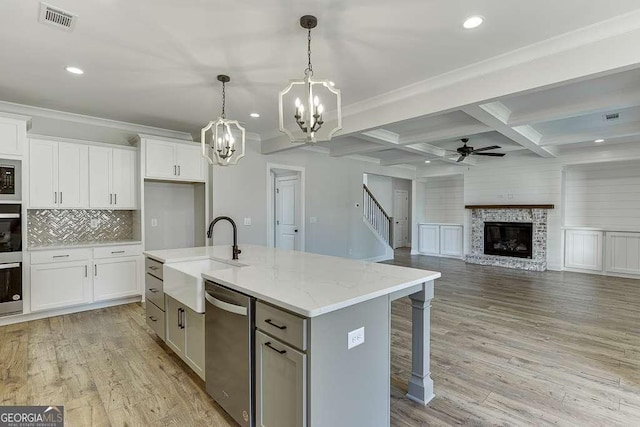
column 154, row 222
column 355, row 338
column 247, row 221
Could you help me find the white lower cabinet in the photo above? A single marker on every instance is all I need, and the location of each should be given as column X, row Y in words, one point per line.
column 441, row 240
column 185, row 334
column 583, row 249
column 116, row 278
column 60, row 285
column 623, row 252
column 281, row 373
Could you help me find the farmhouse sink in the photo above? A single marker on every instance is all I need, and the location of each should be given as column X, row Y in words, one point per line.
column 183, row 280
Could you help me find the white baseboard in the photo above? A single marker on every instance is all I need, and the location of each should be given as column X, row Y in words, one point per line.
column 378, row 258
column 19, row 318
column 602, row 273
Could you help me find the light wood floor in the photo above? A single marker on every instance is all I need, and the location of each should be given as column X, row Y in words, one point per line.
column 508, row 347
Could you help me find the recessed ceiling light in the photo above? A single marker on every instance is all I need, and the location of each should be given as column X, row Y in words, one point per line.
column 254, row 115
column 75, row 70
column 427, row 161
column 473, row 22
column 599, row 140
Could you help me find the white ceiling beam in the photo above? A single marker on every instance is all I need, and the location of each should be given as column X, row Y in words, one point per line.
column 565, row 110
column 449, row 134
column 607, row 132
column 391, row 140
column 354, row 146
column 496, row 116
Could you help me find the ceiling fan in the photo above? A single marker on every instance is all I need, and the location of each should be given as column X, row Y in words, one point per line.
column 465, row 151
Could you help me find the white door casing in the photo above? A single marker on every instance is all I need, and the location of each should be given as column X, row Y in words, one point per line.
column 401, row 218
column 287, row 215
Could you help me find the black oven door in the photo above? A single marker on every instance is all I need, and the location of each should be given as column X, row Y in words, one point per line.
column 10, row 288
column 10, row 228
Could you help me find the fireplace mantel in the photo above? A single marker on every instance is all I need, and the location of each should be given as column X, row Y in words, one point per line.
column 509, row 207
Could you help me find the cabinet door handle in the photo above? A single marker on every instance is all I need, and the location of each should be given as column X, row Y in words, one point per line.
column 95, row 270
column 110, row 198
column 153, row 318
column 183, row 318
column 178, row 170
column 115, row 198
column 61, row 197
column 180, row 319
column 86, row 272
column 55, row 197
column 61, row 256
column 282, row 328
column 153, row 290
column 117, row 252
column 153, row 267
column 175, row 170
column 268, row 344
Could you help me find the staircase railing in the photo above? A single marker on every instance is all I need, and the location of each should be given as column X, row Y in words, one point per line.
column 381, row 222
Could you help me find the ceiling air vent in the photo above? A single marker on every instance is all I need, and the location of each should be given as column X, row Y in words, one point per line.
column 57, row 17
column 611, row 116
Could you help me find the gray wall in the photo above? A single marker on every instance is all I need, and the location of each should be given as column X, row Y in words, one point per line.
column 173, row 205
column 333, row 187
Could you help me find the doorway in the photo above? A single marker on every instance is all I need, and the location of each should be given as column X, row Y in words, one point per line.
column 401, row 218
column 285, row 204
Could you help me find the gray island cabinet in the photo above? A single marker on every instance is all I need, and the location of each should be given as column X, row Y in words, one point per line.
column 322, row 329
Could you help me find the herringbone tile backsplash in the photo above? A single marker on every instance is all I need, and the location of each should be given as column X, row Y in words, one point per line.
column 47, row 227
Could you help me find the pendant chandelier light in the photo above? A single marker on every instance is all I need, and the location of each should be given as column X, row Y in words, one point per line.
column 303, row 120
column 226, row 144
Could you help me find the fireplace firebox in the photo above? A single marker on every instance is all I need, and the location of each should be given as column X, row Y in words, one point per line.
column 512, row 239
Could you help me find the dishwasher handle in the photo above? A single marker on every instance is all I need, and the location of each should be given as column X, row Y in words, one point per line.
column 231, row 308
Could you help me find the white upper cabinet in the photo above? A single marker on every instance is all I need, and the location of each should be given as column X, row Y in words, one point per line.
column 112, row 177
column 58, row 175
column 13, row 133
column 173, row 161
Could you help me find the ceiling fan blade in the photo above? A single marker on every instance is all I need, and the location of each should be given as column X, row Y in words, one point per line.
column 461, row 158
column 493, row 147
column 490, row 154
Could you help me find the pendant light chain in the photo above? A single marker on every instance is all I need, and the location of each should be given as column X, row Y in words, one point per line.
column 309, row 67
column 224, row 97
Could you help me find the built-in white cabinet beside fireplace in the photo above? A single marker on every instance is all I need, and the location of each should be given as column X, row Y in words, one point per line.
column 440, row 239
column 583, row 249
column 602, row 251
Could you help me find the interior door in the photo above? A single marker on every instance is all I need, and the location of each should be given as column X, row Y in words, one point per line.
column 288, row 213
column 73, row 175
column 401, row 218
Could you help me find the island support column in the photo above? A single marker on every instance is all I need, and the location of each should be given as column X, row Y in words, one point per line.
column 421, row 384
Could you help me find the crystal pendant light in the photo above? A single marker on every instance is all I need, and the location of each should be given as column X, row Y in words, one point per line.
column 308, row 109
column 226, row 143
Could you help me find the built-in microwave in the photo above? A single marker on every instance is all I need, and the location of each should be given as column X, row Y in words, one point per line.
column 10, row 180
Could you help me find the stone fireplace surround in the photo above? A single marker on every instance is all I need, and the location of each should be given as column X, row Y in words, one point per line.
column 535, row 214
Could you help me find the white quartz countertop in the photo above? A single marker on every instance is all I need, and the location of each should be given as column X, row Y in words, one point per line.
column 84, row 245
column 304, row 283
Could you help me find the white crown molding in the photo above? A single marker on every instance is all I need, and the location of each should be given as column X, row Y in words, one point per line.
column 29, row 110
column 81, row 141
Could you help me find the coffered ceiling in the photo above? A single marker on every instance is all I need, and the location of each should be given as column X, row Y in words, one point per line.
column 155, row 62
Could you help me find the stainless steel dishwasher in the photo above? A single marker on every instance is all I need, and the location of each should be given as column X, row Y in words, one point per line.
column 229, row 351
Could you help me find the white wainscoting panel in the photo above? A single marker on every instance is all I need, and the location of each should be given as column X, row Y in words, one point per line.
column 623, row 252
column 583, row 249
column 451, row 240
column 429, row 239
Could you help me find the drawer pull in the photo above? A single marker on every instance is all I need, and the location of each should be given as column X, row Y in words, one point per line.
column 282, row 328
column 153, row 267
column 268, row 344
column 153, row 318
column 61, row 256
column 153, row 290
column 117, row 252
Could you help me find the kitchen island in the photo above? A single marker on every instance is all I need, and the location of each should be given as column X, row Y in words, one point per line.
column 345, row 377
